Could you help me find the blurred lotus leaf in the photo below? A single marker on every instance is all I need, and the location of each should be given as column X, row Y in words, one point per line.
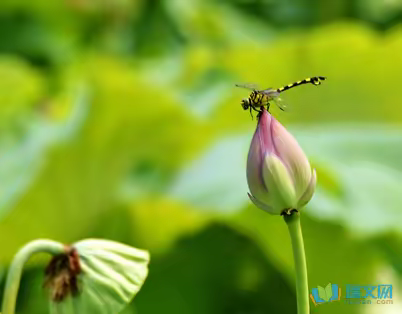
column 153, row 152
column 157, row 224
column 16, row 107
column 360, row 188
column 127, row 125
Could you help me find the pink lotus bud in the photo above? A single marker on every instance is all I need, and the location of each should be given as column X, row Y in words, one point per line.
column 279, row 175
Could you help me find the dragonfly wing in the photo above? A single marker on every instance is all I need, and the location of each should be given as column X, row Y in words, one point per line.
column 273, row 96
column 272, row 93
column 250, row 86
column 281, row 104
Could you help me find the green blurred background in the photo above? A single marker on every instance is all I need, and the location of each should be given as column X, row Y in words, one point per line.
column 120, row 120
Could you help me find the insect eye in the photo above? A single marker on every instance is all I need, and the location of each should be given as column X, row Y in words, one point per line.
column 244, row 104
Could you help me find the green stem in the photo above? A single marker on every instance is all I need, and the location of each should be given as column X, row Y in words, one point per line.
column 293, row 223
column 17, row 265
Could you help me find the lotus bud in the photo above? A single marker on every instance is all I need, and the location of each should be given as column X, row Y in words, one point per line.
column 279, row 175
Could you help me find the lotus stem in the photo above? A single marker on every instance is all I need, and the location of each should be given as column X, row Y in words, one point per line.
column 16, row 268
column 293, row 222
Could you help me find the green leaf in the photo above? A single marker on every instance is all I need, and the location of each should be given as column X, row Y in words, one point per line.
column 365, row 164
column 21, row 87
column 21, row 163
column 216, row 179
column 153, row 226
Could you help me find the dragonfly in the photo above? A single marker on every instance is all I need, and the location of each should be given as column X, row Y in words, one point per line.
column 264, row 97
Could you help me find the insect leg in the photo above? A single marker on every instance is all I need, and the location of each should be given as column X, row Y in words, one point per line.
column 256, row 110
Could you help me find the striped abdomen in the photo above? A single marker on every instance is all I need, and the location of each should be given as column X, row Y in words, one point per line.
column 316, row 80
